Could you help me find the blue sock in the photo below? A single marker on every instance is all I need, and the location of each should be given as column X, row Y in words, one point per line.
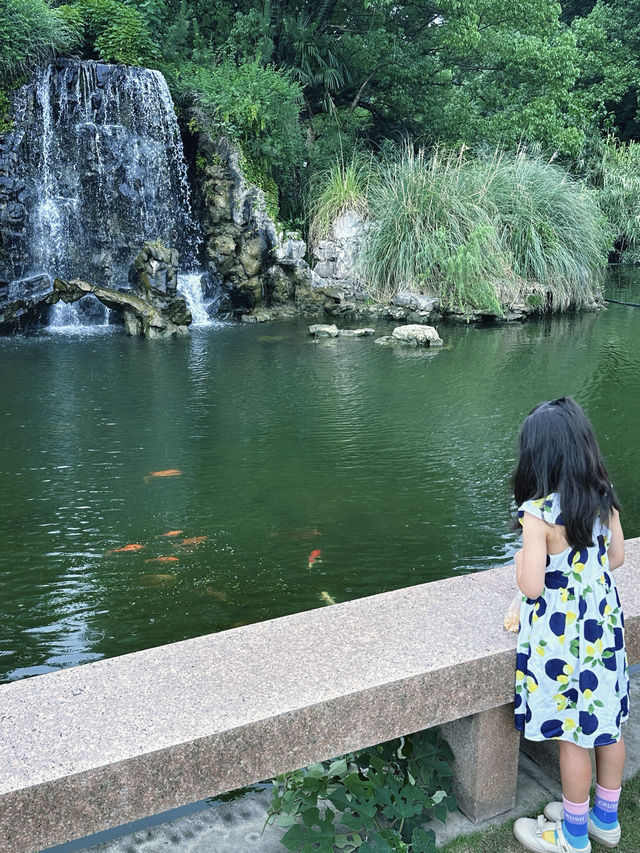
column 605, row 809
column 574, row 825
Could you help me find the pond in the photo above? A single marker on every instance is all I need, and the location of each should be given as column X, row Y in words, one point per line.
column 301, row 472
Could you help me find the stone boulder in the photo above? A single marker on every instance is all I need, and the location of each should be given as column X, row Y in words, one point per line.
column 322, row 330
column 356, row 333
column 417, row 335
column 157, row 315
column 155, row 268
column 416, row 301
column 25, row 304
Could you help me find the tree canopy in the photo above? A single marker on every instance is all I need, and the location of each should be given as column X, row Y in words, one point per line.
column 352, row 73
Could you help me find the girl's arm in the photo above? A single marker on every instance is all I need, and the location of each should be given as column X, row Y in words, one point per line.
column 616, row 546
column 531, row 560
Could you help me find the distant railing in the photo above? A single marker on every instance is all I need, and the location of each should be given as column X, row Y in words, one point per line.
column 97, row 746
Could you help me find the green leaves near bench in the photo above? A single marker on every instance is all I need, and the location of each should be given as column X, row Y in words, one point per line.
column 373, row 801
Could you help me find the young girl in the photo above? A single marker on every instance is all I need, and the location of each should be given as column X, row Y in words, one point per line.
column 571, row 679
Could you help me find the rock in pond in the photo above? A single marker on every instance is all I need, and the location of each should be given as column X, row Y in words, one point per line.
column 416, row 301
column 323, row 330
column 158, row 316
column 417, row 335
column 356, row 333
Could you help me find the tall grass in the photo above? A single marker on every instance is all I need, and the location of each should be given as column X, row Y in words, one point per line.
column 615, row 172
column 432, row 232
column 483, row 233
column 551, row 227
column 341, row 187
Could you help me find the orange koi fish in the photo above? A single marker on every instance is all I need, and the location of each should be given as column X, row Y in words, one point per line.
column 313, row 556
column 168, row 472
column 172, row 533
column 194, row 540
column 162, row 560
column 135, row 546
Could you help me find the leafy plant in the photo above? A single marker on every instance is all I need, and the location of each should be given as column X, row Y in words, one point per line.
column 381, row 796
column 333, row 191
column 258, row 108
column 114, row 31
column 31, row 32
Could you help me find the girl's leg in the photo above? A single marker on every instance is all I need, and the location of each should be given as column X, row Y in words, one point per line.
column 610, row 764
column 575, row 771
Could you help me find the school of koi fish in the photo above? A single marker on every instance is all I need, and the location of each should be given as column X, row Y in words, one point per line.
column 188, row 543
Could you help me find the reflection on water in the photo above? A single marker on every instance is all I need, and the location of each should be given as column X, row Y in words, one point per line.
column 394, row 464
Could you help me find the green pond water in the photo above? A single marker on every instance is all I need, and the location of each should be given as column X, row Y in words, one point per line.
column 393, row 464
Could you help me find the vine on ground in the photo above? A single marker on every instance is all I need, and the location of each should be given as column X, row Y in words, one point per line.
column 381, row 796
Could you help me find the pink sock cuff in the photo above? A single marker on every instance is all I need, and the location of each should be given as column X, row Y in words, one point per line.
column 575, row 808
column 607, row 794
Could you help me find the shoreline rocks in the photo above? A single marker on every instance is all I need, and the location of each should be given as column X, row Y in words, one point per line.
column 154, row 315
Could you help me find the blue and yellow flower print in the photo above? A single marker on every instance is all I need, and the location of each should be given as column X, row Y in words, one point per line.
column 571, row 667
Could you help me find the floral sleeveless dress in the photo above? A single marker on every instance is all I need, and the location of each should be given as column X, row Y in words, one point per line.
column 571, row 668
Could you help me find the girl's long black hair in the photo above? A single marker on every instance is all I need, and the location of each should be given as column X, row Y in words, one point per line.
column 559, row 453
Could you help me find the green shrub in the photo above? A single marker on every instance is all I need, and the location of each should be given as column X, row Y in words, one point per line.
column 381, row 796
column 113, row 31
column 6, row 122
column 337, row 189
column 258, row 108
column 31, row 32
column 484, row 232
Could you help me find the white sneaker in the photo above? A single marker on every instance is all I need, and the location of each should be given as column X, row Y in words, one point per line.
column 606, row 837
column 530, row 832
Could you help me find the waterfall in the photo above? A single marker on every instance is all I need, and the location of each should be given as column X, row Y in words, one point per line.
column 101, row 162
column 201, row 303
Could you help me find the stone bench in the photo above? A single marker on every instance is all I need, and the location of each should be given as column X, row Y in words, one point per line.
column 96, row 746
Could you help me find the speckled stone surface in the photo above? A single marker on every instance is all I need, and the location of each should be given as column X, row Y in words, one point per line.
column 96, row 746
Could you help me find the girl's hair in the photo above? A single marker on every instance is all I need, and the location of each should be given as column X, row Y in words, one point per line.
column 559, row 453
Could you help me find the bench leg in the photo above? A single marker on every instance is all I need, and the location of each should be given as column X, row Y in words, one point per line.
column 485, row 748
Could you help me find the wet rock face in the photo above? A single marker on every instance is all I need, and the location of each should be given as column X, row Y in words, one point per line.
column 336, row 256
column 92, row 168
column 155, row 268
column 157, row 314
column 255, row 267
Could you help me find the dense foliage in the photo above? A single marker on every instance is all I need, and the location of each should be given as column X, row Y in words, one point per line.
column 302, row 86
column 439, row 71
column 483, row 232
column 377, row 800
column 31, row 32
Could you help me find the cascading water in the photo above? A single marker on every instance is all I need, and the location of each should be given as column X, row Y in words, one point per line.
column 102, row 166
column 202, row 306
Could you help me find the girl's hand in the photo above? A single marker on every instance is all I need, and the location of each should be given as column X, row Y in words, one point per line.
column 512, row 616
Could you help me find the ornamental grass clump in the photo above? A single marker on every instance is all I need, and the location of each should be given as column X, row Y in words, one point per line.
column 484, row 233
column 342, row 187
column 551, row 228
column 433, row 232
column 615, row 173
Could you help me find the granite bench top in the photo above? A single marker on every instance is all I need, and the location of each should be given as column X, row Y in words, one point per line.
column 95, row 746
